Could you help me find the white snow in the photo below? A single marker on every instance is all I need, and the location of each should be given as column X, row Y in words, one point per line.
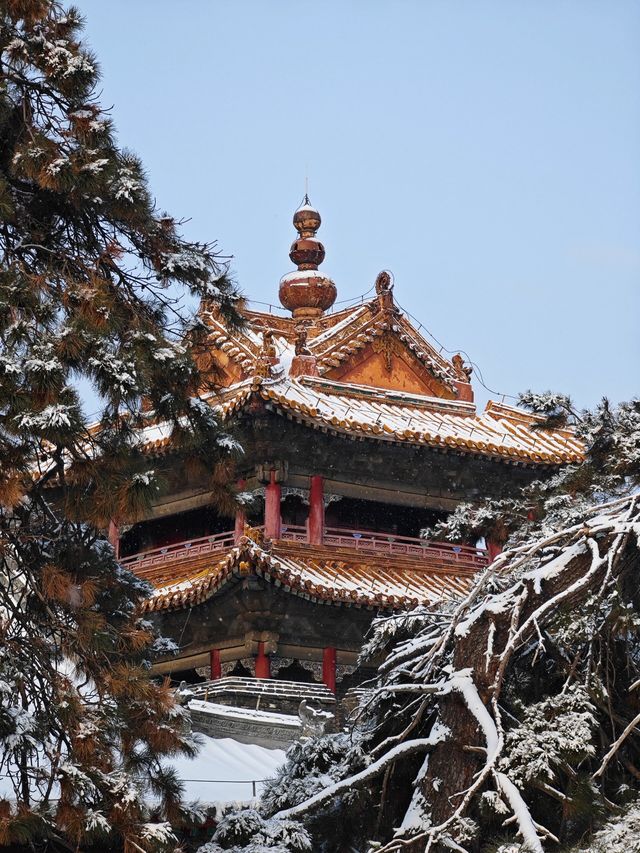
column 438, row 734
column 52, row 417
column 524, row 820
column 217, row 710
column 555, row 566
column 286, row 351
column 498, row 603
column 338, row 327
column 303, row 276
column 224, row 770
column 126, row 186
column 462, row 682
column 416, row 817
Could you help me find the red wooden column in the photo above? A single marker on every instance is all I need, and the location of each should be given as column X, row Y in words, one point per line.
column 114, row 537
column 315, row 522
column 329, row 668
column 241, row 517
column 216, row 666
column 494, row 548
column 272, row 518
column 263, row 663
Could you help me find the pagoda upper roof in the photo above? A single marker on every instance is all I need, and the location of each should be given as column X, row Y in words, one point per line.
column 371, row 343
column 366, row 371
column 501, row 431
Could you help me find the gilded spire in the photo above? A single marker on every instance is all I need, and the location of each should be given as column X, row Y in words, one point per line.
column 305, row 292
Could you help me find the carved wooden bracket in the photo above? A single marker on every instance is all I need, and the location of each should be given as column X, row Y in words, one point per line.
column 314, row 667
column 344, row 669
column 263, row 471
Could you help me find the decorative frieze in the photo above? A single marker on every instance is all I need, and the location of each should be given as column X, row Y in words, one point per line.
column 278, row 663
column 314, row 667
column 343, row 670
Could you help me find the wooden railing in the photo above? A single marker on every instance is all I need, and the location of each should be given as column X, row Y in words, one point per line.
column 261, row 687
column 180, row 551
column 369, row 541
column 294, row 533
column 463, row 557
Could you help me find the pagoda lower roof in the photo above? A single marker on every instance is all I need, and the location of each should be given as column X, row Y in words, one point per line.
column 321, row 574
column 364, row 412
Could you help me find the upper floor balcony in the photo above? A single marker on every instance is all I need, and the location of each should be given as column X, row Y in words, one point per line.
column 426, row 554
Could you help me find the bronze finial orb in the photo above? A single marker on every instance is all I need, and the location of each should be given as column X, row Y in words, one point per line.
column 305, row 292
column 307, row 253
column 306, row 220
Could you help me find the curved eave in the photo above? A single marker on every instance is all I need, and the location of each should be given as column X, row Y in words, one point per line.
column 245, row 561
column 356, row 431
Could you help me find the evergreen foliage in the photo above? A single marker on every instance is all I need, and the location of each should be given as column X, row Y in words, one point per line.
column 611, row 437
column 93, row 282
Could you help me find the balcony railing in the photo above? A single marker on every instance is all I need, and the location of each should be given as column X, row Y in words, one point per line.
column 368, row 541
column 461, row 557
column 180, row 551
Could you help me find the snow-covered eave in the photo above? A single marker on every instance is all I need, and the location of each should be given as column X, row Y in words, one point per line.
column 503, row 441
column 245, row 714
column 365, row 326
column 501, row 432
column 294, row 578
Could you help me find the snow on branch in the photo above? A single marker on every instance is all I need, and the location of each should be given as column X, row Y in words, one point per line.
column 438, row 734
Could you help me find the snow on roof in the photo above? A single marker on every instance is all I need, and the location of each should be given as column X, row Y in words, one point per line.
column 286, row 351
column 302, row 275
column 351, row 315
column 315, row 573
column 223, row 770
column 332, row 334
column 499, row 431
column 217, row 710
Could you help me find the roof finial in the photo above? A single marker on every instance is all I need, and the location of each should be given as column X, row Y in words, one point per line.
column 306, row 293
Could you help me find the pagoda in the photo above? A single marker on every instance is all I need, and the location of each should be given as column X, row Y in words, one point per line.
column 356, row 434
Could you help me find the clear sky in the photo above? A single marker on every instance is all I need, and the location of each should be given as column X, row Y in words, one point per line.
column 487, row 153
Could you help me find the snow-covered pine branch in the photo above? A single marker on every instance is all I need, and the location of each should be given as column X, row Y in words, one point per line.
column 522, row 695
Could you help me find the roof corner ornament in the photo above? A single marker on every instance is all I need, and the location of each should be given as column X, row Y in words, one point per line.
column 388, row 345
column 463, row 371
column 384, row 291
column 304, row 362
column 314, row 719
column 302, row 333
column 267, row 356
column 255, row 534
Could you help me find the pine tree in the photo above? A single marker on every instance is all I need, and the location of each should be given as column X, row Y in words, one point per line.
column 611, row 436
column 93, row 281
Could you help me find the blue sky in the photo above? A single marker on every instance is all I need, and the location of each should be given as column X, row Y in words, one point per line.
column 487, row 153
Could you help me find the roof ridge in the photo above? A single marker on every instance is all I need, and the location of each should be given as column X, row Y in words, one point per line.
column 385, row 395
